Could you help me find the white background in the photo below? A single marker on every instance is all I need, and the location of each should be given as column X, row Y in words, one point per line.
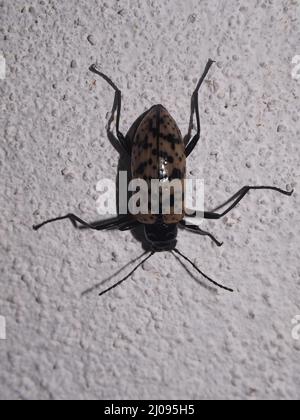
column 162, row 334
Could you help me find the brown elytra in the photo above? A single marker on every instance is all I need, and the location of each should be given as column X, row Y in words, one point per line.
column 158, row 152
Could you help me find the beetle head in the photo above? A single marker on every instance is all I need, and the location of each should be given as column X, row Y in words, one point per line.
column 161, row 237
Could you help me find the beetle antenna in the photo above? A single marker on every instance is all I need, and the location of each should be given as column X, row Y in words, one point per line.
column 129, row 275
column 199, row 271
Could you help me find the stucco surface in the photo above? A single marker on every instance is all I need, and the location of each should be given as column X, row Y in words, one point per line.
column 163, row 334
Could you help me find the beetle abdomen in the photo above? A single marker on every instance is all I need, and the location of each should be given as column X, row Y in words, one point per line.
column 158, row 153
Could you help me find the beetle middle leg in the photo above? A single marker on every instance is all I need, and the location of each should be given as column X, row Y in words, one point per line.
column 191, row 144
column 196, row 229
column 117, row 107
column 236, row 198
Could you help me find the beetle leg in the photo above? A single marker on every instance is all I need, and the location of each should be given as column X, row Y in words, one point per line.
column 196, row 229
column 116, row 108
column 104, row 225
column 236, row 198
column 129, row 225
column 191, row 144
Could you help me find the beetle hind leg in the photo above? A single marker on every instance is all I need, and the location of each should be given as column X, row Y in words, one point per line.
column 76, row 222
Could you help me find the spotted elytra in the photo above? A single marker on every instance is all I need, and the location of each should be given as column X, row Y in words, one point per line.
column 158, row 151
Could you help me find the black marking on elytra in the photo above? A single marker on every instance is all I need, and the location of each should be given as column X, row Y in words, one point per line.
column 145, row 144
column 176, row 174
column 152, row 128
column 168, row 158
column 141, row 168
column 172, row 139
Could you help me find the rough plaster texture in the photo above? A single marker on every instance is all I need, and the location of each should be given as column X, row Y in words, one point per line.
column 162, row 334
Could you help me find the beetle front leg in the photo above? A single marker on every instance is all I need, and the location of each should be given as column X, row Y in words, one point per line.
column 236, row 198
column 191, row 144
column 116, row 107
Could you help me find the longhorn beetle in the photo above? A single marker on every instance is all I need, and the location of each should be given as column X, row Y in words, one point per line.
column 157, row 150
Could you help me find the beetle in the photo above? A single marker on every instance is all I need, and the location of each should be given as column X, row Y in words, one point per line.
column 157, row 150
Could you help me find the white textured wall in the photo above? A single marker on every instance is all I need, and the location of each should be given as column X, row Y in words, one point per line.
column 161, row 335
